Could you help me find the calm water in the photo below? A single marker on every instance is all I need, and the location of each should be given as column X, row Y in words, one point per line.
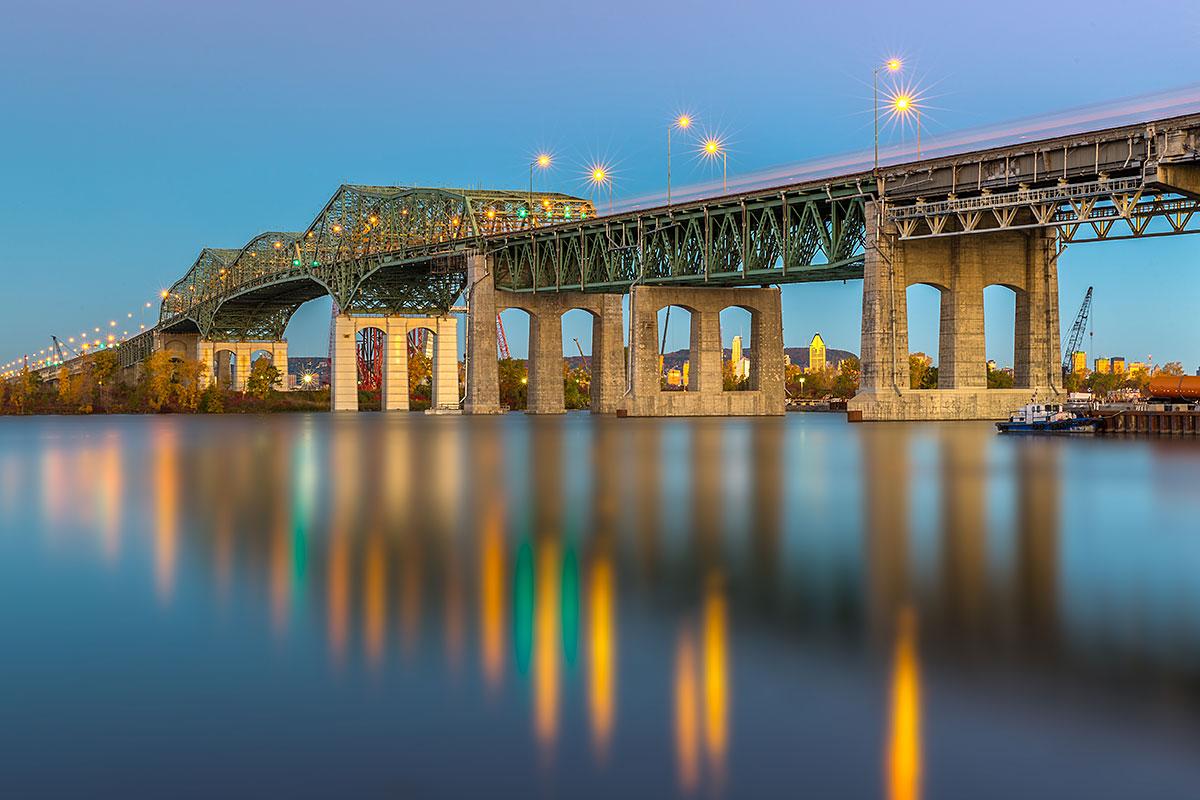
column 403, row 606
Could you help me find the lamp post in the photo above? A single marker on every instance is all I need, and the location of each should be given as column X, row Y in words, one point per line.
column 683, row 122
column 712, row 147
column 891, row 65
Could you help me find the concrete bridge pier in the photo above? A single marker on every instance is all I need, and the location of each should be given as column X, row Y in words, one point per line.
column 705, row 395
column 545, row 359
column 343, row 350
column 960, row 267
column 207, row 352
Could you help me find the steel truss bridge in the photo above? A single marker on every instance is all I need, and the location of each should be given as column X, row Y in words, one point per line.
column 403, row 249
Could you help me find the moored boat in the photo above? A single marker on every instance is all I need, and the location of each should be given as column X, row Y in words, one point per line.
column 1047, row 418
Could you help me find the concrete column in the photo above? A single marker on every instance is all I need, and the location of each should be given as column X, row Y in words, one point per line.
column 483, row 378
column 884, row 312
column 706, row 353
column 962, row 353
column 1036, row 351
column 205, row 356
column 343, row 365
column 279, row 357
column 766, row 353
column 395, row 365
column 643, row 346
column 608, row 355
column 224, row 373
column 242, row 374
column 445, row 366
column 545, row 362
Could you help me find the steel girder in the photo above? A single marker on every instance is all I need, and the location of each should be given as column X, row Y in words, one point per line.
column 780, row 237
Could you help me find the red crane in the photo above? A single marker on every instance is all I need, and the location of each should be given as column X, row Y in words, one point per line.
column 501, row 339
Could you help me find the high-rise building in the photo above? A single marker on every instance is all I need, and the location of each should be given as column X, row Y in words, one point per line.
column 739, row 363
column 1103, row 366
column 816, row 353
column 687, row 369
column 1079, row 362
column 991, row 365
column 1118, row 365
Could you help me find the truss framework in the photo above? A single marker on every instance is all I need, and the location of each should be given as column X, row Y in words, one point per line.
column 252, row 292
column 787, row 236
column 1081, row 212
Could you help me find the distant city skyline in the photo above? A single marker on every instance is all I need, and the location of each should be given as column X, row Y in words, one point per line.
column 139, row 134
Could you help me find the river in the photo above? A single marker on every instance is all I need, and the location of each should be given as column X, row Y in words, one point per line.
column 409, row 606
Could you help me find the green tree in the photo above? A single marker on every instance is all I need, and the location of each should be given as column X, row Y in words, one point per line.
column 514, row 380
column 212, row 399
column 998, row 379
column 577, row 384
column 264, row 377
column 186, row 385
column 67, row 390
column 849, row 374
column 1172, row 368
column 1074, row 382
column 23, row 391
column 104, row 374
column 157, row 377
column 919, row 366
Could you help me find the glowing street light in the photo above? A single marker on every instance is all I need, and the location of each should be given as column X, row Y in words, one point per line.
column 891, row 65
column 542, row 161
column 600, row 176
column 904, row 103
column 712, row 148
column 682, row 122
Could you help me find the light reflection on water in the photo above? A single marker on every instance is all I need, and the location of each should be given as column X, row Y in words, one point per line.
column 587, row 607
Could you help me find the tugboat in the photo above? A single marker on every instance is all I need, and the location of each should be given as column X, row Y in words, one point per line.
column 1037, row 417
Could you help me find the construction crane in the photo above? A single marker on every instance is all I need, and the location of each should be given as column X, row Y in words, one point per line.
column 582, row 357
column 1076, row 336
column 501, row 340
column 60, row 350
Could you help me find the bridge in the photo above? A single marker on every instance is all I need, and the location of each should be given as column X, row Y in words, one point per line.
column 397, row 258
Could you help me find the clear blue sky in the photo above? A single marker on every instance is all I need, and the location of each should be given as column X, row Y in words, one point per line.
column 136, row 133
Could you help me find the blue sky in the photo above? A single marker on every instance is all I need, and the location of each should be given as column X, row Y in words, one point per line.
column 136, row 133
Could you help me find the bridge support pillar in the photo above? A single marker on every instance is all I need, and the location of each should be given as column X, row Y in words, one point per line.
column 705, row 395
column 395, row 365
column 960, row 267
column 343, row 365
column 483, row 377
column 545, row 362
column 445, row 399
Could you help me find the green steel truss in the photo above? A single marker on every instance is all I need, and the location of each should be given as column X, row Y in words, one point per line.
column 777, row 237
column 372, row 248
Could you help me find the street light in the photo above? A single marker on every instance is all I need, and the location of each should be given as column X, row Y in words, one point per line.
column 683, row 122
column 903, row 104
column 711, row 148
column 600, row 176
column 891, row 65
column 542, row 161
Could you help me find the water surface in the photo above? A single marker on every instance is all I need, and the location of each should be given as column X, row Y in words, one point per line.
column 397, row 605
